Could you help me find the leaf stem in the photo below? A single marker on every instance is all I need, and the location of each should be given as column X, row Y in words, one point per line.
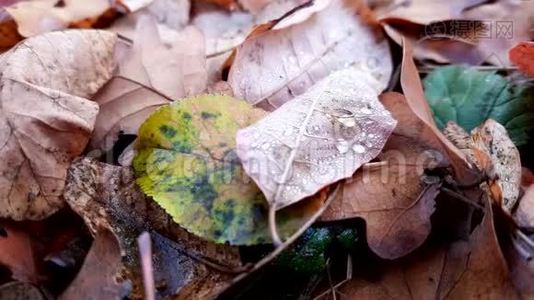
column 461, row 197
column 277, row 241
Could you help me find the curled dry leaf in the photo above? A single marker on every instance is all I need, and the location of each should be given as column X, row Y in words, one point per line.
column 46, row 119
column 522, row 55
column 396, row 199
column 107, row 197
column 151, row 73
column 318, row 138
column 416, row 100
column 186, row 161
column 465, row 269
column 283, row 58
column 100, row 275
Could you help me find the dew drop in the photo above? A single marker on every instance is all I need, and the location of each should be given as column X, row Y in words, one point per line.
column 358, row 148
column 342, row 146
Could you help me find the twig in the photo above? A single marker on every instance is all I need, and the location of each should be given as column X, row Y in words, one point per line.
column 347, row 279
column 461, row 197
column 145, row 252
column 290, row 240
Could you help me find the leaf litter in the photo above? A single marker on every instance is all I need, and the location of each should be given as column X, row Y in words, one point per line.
column 340, row 149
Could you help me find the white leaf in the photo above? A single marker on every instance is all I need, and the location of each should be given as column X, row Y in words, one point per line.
column 318, row 138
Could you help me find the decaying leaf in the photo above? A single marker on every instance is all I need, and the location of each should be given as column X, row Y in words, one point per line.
column 283, row 58
column 470, row 97
column 186, row 161
column 462, row 270
column 107, row 197
column 522, row 55
column 316, row 139
column 396, row 199
column 100, row 276
column 46, row 119
column 146, row 80
column 19, row 290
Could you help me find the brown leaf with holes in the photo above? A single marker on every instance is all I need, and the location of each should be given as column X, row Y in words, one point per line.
column 465, row 269
column 46, row 118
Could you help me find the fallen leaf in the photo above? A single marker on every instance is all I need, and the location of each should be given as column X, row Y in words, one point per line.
column 470, row 97
column 37, row 17
column 282, row 59
column 425, row 11
column 522, row 55
column 316, row 139
column 524, row 214
column 107, row 197
column 170, row 15
column 146, row 81
column 16, row 253
column 396, row 199
column 465, row 269
column 20, row 290
column 186, row 161
column 46, row 118
column 100, row 276
column 416, row 100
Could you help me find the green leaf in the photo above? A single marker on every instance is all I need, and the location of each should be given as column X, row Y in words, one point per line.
column 186, row 162
column 470, row 97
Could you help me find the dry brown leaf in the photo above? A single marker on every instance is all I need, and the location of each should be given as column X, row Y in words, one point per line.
column 522, row 55
column 396, row 199
column 107, row 196
column 415, row 97
column 100, row 275
column 318, row 138
column 472, row 269
column 36, row 17
column 151, row 73
column 282, row 59
column 46, row 118
column 170, row 15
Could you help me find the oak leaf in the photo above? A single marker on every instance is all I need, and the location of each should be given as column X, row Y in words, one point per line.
column 46, row 118
column 316, row 139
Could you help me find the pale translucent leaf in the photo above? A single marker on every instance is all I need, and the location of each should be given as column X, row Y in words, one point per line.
column 318, row 138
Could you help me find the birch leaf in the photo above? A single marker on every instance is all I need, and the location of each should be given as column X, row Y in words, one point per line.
column 186, row 161
column 282, row 59
column 45, row 117
column 150, row 75
column 318, row 138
